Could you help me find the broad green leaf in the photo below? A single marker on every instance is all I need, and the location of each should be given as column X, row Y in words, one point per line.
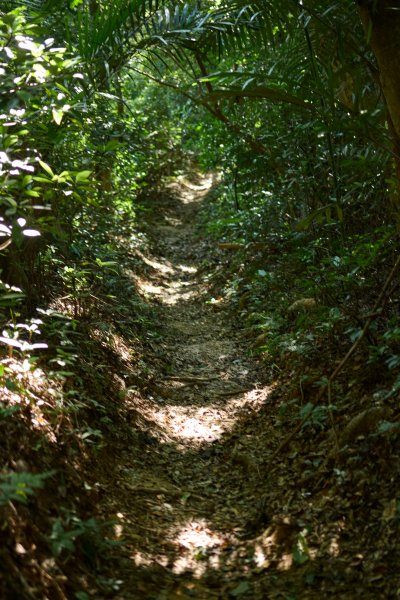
column 11, row 385
column 82, row 176
column 63, row 88
column 41, row 179
column 111, row 145
column 46, row 168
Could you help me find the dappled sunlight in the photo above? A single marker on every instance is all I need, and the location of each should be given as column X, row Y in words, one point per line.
column 187, row 419
column 210, row 410
column 29, row 392
column 165, row 284
column 170, row 295
column 199, row 547
column 190, row 192
column 334, row 549
column 282, row 546
column 206, row 422
column 208, row 426
column 270, row 549
column 163, row 267
column 187, row 269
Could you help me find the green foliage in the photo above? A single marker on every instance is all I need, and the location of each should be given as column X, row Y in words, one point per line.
column 280, row 101
column 38, row 82
column 19, row 487
column 317, row 416
column 65, row 533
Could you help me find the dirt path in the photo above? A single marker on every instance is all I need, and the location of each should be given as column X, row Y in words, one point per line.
column 199, row 510
column 186, row 499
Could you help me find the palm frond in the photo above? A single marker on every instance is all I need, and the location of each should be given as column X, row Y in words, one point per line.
column 38, row 6
column 135, row 25
column 8, row 5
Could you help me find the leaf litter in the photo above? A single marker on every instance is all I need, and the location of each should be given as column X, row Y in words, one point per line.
column 199, row 511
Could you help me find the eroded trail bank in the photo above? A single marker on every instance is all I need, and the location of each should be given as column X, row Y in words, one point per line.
column 185, row 494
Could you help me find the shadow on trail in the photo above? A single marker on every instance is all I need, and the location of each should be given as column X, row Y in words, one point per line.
column 161, row 425
column 196, row 513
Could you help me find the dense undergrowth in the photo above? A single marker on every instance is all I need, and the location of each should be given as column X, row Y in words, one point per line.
column 65, row 379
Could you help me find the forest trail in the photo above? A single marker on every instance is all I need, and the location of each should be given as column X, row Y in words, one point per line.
column 185, row 494
column 198, row 510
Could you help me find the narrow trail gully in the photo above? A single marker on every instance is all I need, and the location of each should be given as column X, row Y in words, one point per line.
column 184, row 496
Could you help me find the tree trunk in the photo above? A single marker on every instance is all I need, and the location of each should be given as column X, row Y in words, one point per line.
column 381, row 21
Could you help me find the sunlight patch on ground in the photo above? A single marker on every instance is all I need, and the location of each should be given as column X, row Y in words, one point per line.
column 189, row 192
column 199, row 548
column 173, row 221
column 168, row 288
column 195, row 424
column 281, row 545
column 145, row 559
column 208, row 427
column 170, row 294
column 149, row 288
column 160, row 267
column 334, row 549
column 186, row 269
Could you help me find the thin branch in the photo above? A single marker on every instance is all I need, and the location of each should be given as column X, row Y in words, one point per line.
column 165, row 84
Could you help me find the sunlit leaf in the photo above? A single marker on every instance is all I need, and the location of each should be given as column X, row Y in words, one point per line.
column 11, row 342
column 41, row 179
column 4, row 230
column 82, row 176
column 31, row 232
column 46, row 168
column 301, row 553
column 57, row 115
